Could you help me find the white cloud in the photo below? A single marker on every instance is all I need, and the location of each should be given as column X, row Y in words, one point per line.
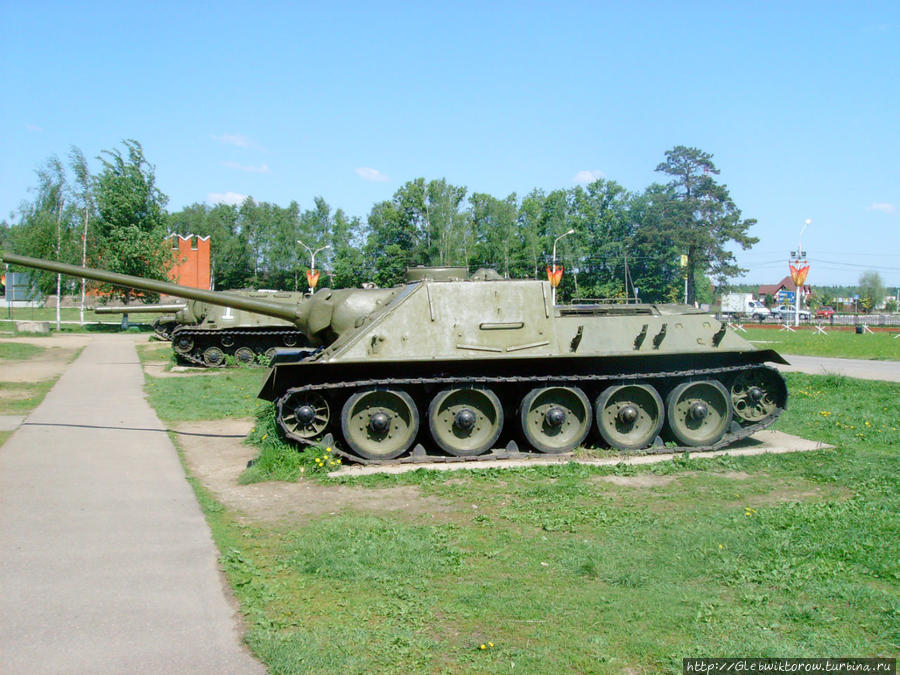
column 884, row 207
column 238, row 140
column 233, row 198
column 585, row 177
column 375, row 175
column 33, row 127
column 262, row 168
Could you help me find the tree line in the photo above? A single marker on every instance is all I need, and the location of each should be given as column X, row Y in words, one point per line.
column 658, row 243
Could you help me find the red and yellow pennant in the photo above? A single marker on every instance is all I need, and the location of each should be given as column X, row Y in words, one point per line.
column 798, row 274
column 312, row 277
column 555, row 276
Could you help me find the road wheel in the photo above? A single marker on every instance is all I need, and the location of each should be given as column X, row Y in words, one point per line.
column 698, row 413
column 629, row 417
column 245, row 355
column 465, row 422
column 213, row 357
column 380, row 424
column 555, row 419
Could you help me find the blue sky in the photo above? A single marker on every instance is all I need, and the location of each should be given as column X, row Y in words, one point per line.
column 799, row 103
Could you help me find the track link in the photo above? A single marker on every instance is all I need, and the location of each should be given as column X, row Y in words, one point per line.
column 420, row 455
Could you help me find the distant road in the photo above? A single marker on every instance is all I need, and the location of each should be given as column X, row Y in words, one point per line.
column 863, row 369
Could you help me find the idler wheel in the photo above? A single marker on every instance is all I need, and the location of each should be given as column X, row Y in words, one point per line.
column 380, row 424
column 758, row 393
column 630, row 416
column 698, row 413
column 183, row 344
column 466, row 421
column 303, row 415
column 555, row 419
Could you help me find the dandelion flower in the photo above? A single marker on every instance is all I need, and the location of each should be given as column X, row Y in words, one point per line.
column 482, row 647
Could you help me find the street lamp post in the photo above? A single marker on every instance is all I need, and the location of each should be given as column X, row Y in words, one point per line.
column 312, row 256
column 800, row 254
column 555, row 241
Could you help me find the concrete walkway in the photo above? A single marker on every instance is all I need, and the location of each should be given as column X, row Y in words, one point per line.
column 106, row 561
column 889, row 371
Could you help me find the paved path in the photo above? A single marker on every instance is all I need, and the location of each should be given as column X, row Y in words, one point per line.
column 106, row 561
column 860, row 368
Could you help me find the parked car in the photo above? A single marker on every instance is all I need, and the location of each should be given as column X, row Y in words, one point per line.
column 784, row 312
column 825, row 312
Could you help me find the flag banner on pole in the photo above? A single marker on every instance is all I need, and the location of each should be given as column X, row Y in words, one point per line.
column 555, row 277
column 798, row 274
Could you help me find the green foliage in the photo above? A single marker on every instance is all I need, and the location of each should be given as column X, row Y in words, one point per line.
column 699, row 215
column 871, row 290
column 132, row 219
column 622, row 240
column 279, row 458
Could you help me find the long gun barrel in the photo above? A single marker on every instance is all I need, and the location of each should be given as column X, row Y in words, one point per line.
column 139, row 309
column 296, row 314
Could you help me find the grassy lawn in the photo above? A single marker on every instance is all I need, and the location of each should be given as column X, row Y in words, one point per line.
column 209, row 394
column 20, row 398
column 551, row 569
column 19, row 351
column 155, row 351
column 110, row 324
column 837, row 343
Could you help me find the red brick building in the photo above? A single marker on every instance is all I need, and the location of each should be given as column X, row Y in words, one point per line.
column 192, row 263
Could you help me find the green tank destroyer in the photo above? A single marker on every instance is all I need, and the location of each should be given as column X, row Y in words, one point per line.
column 476, row 367
column 206, row 335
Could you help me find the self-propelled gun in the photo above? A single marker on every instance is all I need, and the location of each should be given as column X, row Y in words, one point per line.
column 449, row 366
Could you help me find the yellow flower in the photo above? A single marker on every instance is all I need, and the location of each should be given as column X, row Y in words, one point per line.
column 490, row 644
column 482, row 647
column 327, row 449
column 265, row 436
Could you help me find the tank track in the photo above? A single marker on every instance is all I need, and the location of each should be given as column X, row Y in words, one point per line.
column 164, row 330
column 260, row 341
column 419, row 454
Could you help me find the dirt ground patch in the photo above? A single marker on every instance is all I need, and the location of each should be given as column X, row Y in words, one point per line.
column 648, row 480
column 216, row 455
column 47, row 365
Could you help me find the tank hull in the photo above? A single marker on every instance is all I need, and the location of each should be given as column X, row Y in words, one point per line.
column 455, row 371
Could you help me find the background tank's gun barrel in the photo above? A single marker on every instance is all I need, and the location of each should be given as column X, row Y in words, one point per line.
column 139, row 309
column 296, row 314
